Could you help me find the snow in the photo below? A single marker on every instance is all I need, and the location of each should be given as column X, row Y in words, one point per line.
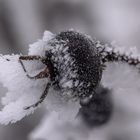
column 39, row 47
column 22, row 92
column 53, row 127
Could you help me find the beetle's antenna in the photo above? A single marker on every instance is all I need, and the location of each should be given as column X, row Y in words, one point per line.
column 109, row 53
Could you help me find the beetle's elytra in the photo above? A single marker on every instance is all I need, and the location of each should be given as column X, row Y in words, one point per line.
column 76, row 61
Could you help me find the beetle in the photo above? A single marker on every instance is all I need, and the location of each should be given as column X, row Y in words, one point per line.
column 75, row 63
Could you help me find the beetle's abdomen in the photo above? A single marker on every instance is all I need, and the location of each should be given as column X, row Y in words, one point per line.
column 77, row 63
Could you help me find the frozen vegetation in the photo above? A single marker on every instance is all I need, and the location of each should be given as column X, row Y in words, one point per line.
column 60, row 122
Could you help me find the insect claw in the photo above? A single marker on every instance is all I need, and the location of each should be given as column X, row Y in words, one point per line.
column 32, row 106
column 30, row 77
column 26, row 108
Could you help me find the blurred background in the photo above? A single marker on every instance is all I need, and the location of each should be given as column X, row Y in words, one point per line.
column 23, row 22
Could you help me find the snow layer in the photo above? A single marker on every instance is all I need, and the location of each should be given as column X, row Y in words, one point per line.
column 22, row 91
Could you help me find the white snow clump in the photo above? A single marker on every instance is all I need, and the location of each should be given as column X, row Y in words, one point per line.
column 22, row 92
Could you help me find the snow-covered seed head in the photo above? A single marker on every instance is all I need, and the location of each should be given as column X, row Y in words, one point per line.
column 76, row 63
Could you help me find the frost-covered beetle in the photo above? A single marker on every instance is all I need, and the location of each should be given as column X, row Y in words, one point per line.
column 74, row 63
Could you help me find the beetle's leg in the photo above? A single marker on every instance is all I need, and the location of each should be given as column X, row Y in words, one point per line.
column 42, row 74
column 24, row 68
column 30, row 57
column 43, row 96
column 33, row 57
